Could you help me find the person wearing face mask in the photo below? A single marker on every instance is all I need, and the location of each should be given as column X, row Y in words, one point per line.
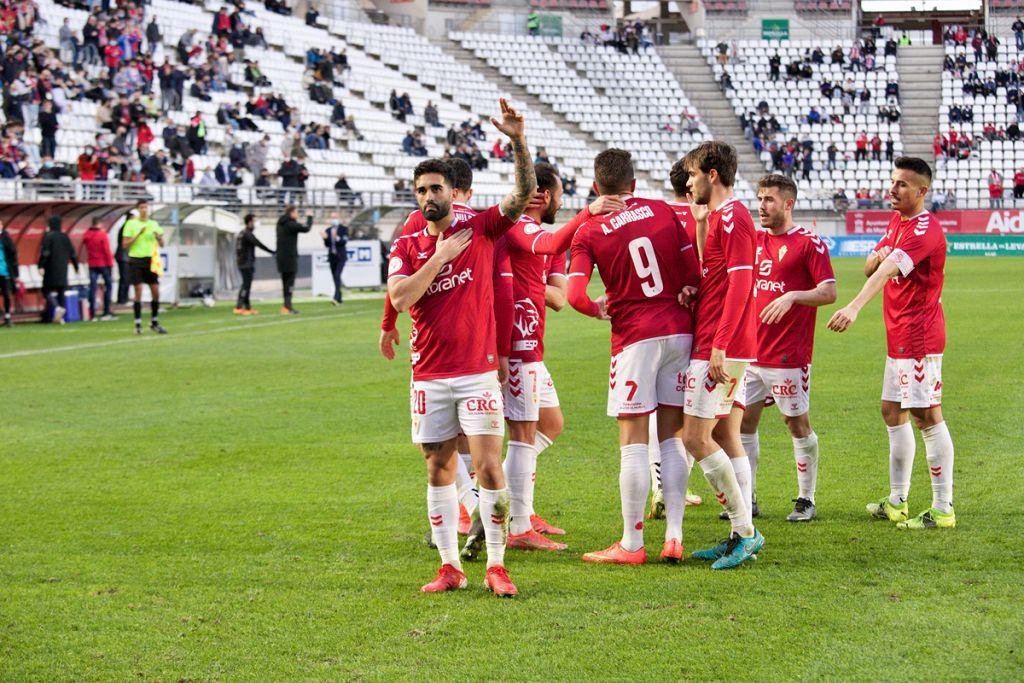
column 246, row 243
column 335, row 239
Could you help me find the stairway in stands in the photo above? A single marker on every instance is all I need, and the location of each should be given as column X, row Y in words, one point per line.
column 920, row 67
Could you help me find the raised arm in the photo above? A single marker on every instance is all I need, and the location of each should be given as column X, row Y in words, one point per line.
column 511, row 125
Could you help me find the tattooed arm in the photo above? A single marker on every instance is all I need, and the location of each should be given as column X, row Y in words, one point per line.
column 511, row 124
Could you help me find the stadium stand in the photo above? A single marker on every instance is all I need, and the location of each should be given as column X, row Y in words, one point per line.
column 621, row 98
column 777, row 111
column 726, row 6
column 980, row 149
column 822, row 5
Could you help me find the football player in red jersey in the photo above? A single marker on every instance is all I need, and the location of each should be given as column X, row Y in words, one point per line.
column 645, row 260
column 909, row 265
column 793, row 277
column 443, row 276
column 531, row 403
column 725, row 343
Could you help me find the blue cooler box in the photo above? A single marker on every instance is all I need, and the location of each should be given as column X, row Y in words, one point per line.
column 74, row 306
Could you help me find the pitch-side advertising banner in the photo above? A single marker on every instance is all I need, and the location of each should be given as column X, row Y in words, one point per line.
column 954, row 222
column 956, row 245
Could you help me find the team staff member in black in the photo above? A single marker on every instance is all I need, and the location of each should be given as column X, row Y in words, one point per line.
column 336, row 241
column 9, row 255
column 54, row 255
column 142, row 236
column 245, row 256
column 288, row 229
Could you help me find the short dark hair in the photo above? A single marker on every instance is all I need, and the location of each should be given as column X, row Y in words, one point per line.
column 249, row 218
column 779, row 182
column 916, row 165
column 434, row 166
column 547, row 176
column 141, row 202
column 462, row 174
column 714, row 154
column 288, row 209
column 678, row 177
column 613, row 171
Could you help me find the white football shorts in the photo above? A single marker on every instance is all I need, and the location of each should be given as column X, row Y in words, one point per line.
column 442, row 408
column 529, row 389
column 913, row 382
column 648, row 374
column 788, row 388
column 706, row 399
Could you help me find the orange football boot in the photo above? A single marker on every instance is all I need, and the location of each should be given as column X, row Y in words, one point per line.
column 531, row 540
column 448, row 578
column 616, row 554
column 497, row 582
column 541, row 526
column 672, row 551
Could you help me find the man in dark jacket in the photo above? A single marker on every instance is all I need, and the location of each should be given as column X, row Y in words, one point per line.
column 48, row 127
column 288, row 229
column 8, row 272
column 336, row 240
column 54, row 255
column 293, row 175
column 246, row 243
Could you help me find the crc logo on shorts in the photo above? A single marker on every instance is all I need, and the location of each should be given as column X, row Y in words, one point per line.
column 487, row 404
column 446, row 280
column 527, row 319
column 903, row 378
column 786, row 389
column 394, row 265
column 689, row 380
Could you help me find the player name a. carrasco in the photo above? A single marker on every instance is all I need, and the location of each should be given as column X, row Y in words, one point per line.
column 628, row 216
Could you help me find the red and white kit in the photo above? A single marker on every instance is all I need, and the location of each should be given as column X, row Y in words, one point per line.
column 452, row 345
column 645, row 259
column 530, row 386
column 912, row 305
column 794, row 261
column 685, row 217
column 725, row 312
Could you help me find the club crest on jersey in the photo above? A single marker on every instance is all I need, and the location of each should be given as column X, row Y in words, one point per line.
column 782, row 252
column 394, row 265
column 527, row 319
column 531, row 228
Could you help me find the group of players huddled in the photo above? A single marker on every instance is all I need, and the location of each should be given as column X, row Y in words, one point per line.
column 711, row 320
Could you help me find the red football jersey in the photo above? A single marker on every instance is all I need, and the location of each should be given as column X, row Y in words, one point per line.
column 915, row 326
column 453, row 330
column 644, row 258
column 725, row 305
column 686, row 218
column 415, row 222
column 556, row 265
column 794, row 261
column 530, row 276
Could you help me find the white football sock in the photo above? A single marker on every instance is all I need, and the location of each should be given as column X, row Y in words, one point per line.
column 689, row 461
column 654, row 463
column 468, row 495
column 541, row 442
column 718, row 470
column 741, row 466
column 443, row 513
column 634, row 485
column 938, row 447
column 674, row 477
column 805, row 452
column 494, row 506
column 752, row 447
column 467, row 460
column 901, row 461
column 519, row 464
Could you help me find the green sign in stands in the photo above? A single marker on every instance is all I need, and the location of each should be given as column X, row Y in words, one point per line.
column 985, row 245
column 775, row 29
column 551, row 25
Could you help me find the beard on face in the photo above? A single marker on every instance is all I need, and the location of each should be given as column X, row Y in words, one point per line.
column 550, row 212
column 435, row 212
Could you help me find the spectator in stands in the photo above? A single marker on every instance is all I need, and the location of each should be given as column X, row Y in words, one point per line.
column 722, row 49
column 813, row 116
column 876, row 148
column 938, row 200
column 1018, row 183
column 861, row 146
column 837, row 55
column 48, row 127
column 995, row 190
column 345, row 193
column 533, row 23
column 725, row 82
column 832, row 151
column 863, row 197
column 1018, row 33
column 254, row 74
column 312, row 16
column 403, row 195
column 904, row 39
column 288, row 230
column 55, row 253
column 840, row 200
column 153, row 168
column 396, row 106
column 807, row 163
column 1013, row 132
column 890, row 148
column 430, row 115
column 153, row 35
column 200, row 89
column 197, row 134
column 96, row 243
column 293, row 176
column 856, row 62
column 991, row 48
column 890, row 48
column 864, row 102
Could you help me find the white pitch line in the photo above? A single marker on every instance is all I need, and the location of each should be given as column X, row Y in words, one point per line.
column 116, row 342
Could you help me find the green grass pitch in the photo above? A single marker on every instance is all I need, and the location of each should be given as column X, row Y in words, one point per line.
column 239, row 500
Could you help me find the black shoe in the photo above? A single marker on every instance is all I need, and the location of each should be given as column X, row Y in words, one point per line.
column 138, row 329
column 754, row 511
column 7, row 323
column 157, row 327
column 476, row 539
